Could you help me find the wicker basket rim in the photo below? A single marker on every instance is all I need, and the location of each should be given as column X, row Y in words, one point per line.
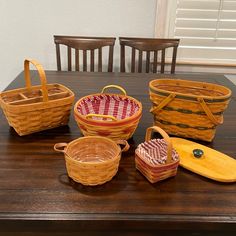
column 38, row 103
column 108, row 123
column 152, row 165
column 92, row 163
column 229, row 92
column 115, row 145
column 137, row 114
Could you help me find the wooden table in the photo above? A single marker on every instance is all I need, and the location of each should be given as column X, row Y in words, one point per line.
column 37, row 198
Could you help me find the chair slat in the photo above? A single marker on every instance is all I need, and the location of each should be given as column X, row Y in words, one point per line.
column 110, row 59
column 140, row 61
column 133, row 60
column 76, row 59
column 92, row 60
column 162, row 61
column 155, row 62
column 122, row 58
column 100, row 60
column 147, row 61
column 84, row 60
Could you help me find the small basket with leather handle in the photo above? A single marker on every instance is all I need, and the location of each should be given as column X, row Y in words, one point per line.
column 155, row 158
column 36, row 108
column 188, row 108
column 92, row 160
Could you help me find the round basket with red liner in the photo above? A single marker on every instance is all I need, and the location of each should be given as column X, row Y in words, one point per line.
column 115, row 116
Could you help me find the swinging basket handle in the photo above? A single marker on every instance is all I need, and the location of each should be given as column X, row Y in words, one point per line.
column 114, row 86
column 42, row 77
column 165, row 137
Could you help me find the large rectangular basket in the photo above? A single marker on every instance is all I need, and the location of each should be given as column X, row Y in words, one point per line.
column 115, row 116
column 188, row 108
column 36, row 108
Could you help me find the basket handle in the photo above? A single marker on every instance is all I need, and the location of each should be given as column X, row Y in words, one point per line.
column 209, row 113
column 60, row 147
column 100, row 115
column 41, row 75
column 114, row 86
column 125, row 143
column 163, row 103
column 165, row 137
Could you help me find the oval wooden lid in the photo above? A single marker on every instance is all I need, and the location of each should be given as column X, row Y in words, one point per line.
column 211, row 164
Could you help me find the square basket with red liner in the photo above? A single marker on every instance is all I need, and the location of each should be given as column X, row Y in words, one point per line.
column 92, row 160
column 35, row 108
column 115, row 116
column 155, row 158
column 188, row 108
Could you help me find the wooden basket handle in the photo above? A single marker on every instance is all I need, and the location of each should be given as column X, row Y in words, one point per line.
column 100, row 115
column 125, row 143
column 114, row 86
column 209, row 113
column 165, row 137
column 42, row 77
column 60, row 147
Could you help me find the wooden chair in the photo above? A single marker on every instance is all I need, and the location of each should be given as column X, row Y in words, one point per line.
column 152, row 47
column 81, row 46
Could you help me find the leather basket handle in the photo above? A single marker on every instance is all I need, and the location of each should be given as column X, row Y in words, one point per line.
column 60, row 147
column 125, row 143
column 42, row 77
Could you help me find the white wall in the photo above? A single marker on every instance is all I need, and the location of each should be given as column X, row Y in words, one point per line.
column 27, row 27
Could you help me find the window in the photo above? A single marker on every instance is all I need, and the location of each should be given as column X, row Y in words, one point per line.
column 206, row 28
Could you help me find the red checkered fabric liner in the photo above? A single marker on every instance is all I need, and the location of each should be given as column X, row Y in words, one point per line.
column 155, row 152
column 112, row 105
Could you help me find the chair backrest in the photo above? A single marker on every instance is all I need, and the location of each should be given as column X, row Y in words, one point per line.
column 152, row 47
column 83, row 45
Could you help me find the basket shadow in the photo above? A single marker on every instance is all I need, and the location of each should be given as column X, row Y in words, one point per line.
column 116, row 184
column 65, row 129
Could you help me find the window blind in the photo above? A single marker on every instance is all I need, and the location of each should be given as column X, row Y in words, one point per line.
column 207, row 29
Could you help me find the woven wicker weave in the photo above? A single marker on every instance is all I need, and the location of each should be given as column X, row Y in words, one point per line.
column 188, row 108
column 92, row 160
column 155, row 158
column 112, row 115
column 36, row 108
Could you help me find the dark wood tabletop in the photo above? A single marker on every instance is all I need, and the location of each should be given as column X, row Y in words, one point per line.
column 38, row 198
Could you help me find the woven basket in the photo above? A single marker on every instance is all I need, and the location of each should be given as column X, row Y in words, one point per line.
column 35, row 108
column 188, row 108
column 104, row 114
column 92, row 160
column 155, row 158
